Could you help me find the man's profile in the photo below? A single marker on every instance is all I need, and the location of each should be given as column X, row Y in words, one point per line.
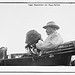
column 54, row 39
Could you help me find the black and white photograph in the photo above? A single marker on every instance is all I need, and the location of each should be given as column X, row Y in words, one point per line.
column 37, row 34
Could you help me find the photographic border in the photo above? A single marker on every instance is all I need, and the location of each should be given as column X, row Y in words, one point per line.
column 22, row 2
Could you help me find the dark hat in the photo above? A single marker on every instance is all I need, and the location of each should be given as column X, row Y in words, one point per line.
column 32, row 36
column 52, row 25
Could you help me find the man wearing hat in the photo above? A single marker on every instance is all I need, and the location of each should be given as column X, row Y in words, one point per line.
column 54, row 39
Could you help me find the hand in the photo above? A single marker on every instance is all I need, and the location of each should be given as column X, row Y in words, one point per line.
column 38, row 46
column 40, row 41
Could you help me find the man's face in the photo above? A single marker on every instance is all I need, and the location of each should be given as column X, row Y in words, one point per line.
column 49, row 30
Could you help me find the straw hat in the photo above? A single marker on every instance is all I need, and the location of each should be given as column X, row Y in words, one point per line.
column 52, row 25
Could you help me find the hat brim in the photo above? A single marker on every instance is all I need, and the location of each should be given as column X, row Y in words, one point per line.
column 52, row 26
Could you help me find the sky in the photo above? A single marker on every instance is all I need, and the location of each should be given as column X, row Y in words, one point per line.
column 17, row 19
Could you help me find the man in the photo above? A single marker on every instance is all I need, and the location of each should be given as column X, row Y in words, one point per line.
column 54, row 39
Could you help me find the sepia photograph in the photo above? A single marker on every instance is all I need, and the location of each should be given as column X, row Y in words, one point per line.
column 37, row 34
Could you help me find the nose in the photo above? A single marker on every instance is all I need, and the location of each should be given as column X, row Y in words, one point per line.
column 47, row 30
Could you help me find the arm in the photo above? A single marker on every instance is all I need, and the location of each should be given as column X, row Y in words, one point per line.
column 48, row 46
column 54, row 42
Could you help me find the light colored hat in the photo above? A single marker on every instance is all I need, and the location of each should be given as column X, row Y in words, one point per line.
column 52, row 25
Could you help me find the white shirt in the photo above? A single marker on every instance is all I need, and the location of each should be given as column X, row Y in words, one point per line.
column 51, row 41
